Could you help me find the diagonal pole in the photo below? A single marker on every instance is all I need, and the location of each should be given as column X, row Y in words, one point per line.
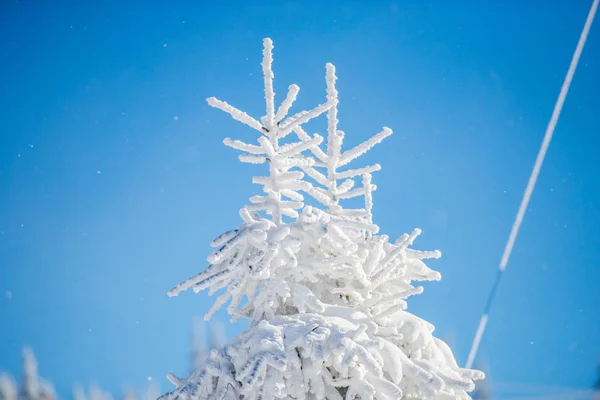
column 532, row 180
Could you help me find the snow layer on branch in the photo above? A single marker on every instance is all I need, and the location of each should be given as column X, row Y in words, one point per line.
column 334, row 158
column 321, row 274
column 311, row 356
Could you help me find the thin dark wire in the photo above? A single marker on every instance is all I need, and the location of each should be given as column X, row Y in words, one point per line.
column 492, row 295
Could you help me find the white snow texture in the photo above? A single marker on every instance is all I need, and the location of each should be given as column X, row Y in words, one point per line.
column 324, row 294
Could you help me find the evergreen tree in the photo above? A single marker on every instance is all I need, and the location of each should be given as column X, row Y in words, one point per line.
column 324, row 293
column 32, row 388
column 8, row 387
column 94, row 393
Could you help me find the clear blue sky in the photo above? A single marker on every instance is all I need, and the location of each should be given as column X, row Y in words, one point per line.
column 113, row 178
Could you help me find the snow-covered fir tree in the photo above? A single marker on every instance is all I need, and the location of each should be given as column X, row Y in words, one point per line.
column 96, row 393
column 32, row 387
column 8, row 387
column 324, row 294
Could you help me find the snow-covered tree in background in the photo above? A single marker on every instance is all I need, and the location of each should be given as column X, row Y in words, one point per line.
column 32, row 388
column 202, row 345
column 8, row 387
column 96, row 393
column 324, row 294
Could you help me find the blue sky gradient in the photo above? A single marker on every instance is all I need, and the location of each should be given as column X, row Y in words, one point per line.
column 113, row 177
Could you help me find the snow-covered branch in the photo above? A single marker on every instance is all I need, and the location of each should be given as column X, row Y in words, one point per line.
column 280, row 158
column 334, row 159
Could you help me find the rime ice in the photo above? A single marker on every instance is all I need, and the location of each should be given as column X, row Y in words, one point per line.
column 324, row 294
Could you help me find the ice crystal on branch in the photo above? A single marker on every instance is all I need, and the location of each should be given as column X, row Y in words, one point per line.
column 281, row 182
column 334, row 158
column 325, row 296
